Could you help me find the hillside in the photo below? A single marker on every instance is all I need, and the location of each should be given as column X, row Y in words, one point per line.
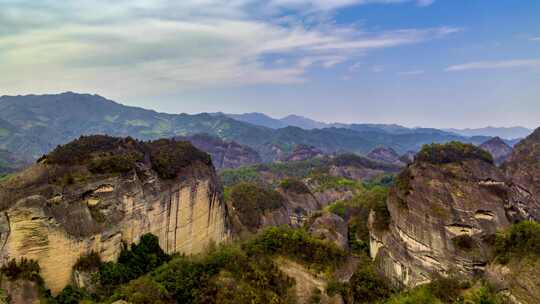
column 33, row 125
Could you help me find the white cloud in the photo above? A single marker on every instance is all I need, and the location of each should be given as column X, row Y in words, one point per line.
column 535, row 39
column 128, row 47
column 482, row 65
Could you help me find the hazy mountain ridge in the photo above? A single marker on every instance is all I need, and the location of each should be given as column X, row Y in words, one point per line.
column 507, row 133
column 503, row 132
column 34, row 124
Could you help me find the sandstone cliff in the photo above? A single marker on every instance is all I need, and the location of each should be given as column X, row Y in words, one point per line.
column 97, row 192
column 443, row 214
column 385, row 155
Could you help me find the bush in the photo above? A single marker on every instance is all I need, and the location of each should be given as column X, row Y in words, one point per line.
column 452, row 152
column 519, row 240
column 297, row 244
column 121, row 163
column 89, row 262
column 24, row 269
column 169, row 157
column 366, row 285
column 252, row 201
column 420, row 295
column 143, row 290
column 138, row 260
column 294, row 186
column 71, row 295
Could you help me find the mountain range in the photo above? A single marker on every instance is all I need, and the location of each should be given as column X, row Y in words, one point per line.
column 260, row 119
column 33, row 125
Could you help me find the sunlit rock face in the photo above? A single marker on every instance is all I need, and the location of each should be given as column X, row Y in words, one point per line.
column 56, row 224
column 443, row 216
column 498, row 149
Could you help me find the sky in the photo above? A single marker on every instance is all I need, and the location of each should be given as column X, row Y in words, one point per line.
column 432, row 63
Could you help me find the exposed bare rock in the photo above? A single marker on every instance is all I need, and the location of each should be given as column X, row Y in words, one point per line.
column 97, row 192
column 385, row 155
column 408, row 157
column 523, row 165
column 519, row 280
column 332, row 228
column 20, row 291
column 225, row 154
column 498, row 149
column 303, row 152
column 443, row 213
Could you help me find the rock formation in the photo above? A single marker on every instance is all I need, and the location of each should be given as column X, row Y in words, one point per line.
column 386, row 155
column 444, row 212
column 303, row 152
column 98, row 191
column 225, row 154
column 408, row 157
column 498, row 149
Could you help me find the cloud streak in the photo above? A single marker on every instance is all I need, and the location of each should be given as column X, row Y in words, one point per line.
column 488, row 65
column 161, row 45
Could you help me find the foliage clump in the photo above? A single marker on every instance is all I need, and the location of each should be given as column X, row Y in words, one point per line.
column 297, row 244
column 25, row 269
column 452, row 152
column 294, row 186
column 251, row 201
column 519, row 240
column 133, row 262
column 102, row 154
column 169, row 157
column 89, row 262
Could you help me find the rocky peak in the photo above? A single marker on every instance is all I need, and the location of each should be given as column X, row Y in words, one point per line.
column 408, row 157
column 97, row 192
column 498, row 149
column 523, row 165
column 443, row 211
column 385, row 154
column 225, row 154
column 303, row 152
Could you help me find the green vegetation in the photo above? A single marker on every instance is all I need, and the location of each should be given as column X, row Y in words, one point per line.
column 170, row 157
column 452, row 152
column 366, row 285
column 297, row 244
column 294, row 186
column 327, row 182
column 133, row 262
column 102, row 154
column 23, row 269
column 251, row 201
column 231, row 177
column 89, row 262
column 519, row 240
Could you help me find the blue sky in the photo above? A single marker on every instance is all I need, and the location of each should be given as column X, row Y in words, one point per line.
column 442, row 63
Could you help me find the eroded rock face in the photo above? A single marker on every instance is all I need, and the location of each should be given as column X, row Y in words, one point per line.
column 55, row 224
column 303, row 152
column 498, row 149
column 523, row 165
column 225, row 154
column 331, row 227
column 386, row 155
column 443, row 217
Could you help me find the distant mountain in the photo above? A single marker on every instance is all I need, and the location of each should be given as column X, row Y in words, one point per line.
column 506, row 133
column 33, row 125
column 259, row 119
column 303, row 122
column 499, row 149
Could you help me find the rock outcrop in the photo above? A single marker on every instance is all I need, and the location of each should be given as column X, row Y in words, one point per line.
column 385, row 155
column 443, row 214
column 523, row 165
column 98, row 191
column 303, row 152
column 498, row 149
column 225, row 154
